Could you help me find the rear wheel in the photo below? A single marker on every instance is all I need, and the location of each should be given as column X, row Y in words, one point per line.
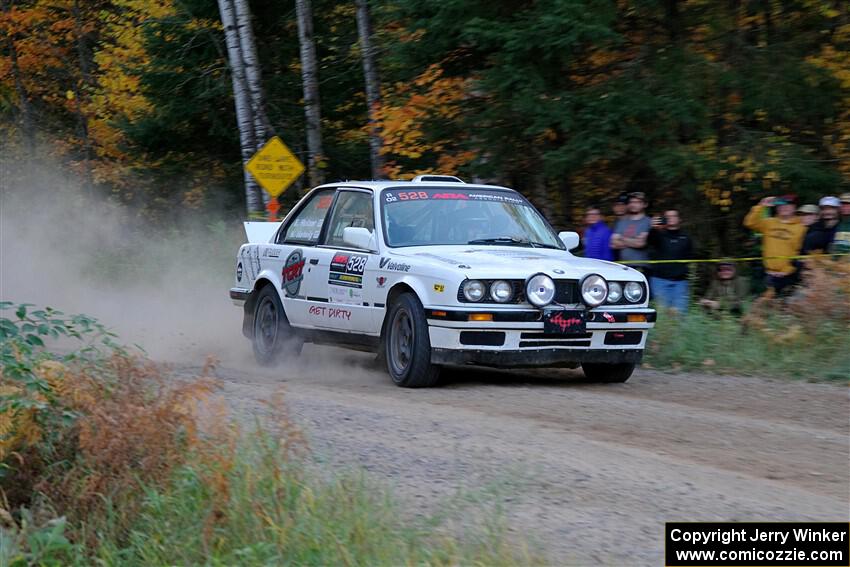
column 600, row 372
column 273, row 338
column 407, row 346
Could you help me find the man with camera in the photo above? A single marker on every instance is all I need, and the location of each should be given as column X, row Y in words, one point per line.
column 668, row 282
column 782, row 236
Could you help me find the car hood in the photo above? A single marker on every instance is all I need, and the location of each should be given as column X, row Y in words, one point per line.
column 516, row 262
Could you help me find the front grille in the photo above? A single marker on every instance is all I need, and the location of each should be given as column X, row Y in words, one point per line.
column 540, row 335
column 567, row 292
column 482, row 338
column 623, row 337
column 544, row 344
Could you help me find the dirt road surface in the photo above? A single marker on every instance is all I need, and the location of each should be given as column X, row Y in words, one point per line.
column 587, row 473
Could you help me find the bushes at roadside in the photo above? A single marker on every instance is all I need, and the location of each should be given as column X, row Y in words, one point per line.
column 803, row 336
column 105, row 458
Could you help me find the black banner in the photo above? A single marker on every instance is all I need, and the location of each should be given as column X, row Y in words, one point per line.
column 763, row 544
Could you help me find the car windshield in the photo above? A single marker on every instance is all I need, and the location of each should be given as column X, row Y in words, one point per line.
column 443, row 215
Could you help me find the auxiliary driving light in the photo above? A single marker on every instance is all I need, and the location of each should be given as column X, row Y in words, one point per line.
column 540, row 290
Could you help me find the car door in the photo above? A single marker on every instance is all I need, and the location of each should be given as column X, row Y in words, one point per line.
column 351, row 269
column 304, row 265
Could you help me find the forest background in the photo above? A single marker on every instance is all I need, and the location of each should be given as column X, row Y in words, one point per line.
column 702, row 104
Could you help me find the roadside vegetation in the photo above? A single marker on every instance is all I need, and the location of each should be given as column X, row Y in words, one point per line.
column 802, row 337
column 107, row 459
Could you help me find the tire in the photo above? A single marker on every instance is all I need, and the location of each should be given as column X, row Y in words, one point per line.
column 407, row 346
column 610, row 373
column 273, row 338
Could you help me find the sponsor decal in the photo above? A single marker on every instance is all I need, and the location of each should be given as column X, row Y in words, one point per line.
column 250, row 257
column 388, row 264
column 293, row 272
column 439, row 288
column 464, row 267
column 239, row 272
column 442, row 194
column 382, row 281
column 609, row 317
column 565, row 323
column 271, row 253
column 325, row 202
column 347, row 269
column 330, row 312
column 349, row 295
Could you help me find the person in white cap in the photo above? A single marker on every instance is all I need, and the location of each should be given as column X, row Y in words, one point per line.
column 841, row 241
column 820, row 235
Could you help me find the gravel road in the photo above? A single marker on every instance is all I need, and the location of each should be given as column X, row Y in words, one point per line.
column 587, row 473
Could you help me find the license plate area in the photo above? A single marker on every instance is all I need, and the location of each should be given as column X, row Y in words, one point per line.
column 564, row 321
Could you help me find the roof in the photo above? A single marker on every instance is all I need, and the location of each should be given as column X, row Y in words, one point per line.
column 378, row 185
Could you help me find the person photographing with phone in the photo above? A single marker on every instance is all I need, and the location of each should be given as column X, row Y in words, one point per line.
column 668, row 282
column 782, row 235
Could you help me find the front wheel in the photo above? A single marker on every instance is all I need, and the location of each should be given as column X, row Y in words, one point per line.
column 407, row 346
column 600, row 372
column 273, row 338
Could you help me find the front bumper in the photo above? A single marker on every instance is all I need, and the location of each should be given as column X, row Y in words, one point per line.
column 537, row 357
column 517, row 339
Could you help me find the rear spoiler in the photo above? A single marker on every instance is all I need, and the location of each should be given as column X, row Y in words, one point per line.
column 260, row 232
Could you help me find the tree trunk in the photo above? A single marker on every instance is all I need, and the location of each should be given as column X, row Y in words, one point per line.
column 80, row 92
column 244, row 115
column 251, row 66
column 373, row 87
column 310, row 79
column 24, row 107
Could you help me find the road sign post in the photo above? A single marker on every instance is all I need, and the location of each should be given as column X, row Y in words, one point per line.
column 275, row 168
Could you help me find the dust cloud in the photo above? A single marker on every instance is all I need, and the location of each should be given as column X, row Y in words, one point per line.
column 164, row 288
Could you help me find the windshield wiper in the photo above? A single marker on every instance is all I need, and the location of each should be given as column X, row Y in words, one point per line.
column 501, row 240
column 510, row 240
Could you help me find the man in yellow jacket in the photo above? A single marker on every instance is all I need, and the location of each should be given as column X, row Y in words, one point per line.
column 782, row 235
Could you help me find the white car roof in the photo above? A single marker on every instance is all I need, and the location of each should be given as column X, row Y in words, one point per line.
column 378, row 185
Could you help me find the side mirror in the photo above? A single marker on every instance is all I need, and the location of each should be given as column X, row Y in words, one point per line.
column 358, row 237
column 570, row 239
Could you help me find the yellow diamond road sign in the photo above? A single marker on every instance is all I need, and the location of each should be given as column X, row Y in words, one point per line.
column 275, row 167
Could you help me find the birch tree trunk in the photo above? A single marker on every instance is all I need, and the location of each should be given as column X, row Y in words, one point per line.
column 241, row 97
column 251, row 66
column 373, row 86
column 310, row 80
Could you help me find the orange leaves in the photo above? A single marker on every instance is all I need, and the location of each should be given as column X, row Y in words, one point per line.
column 431, row 97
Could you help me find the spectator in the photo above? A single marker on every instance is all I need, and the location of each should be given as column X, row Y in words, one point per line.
column 820, row 235
column 727, row 290
column 841, row 242
column 597, row 236
column 669, row 282
column 782, row 235
column 620, row 206
column 808, row 214
column 631, row 232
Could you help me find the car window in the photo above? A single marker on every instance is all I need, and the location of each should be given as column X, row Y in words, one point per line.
column 353, row 208
column 306, row 227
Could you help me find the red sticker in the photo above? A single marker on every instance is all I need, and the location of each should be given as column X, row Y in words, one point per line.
column 325, row 202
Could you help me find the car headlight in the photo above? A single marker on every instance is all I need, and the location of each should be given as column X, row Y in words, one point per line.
column 501, row 291
column 474, row 290
column 634, row 292
column 540, row 290
column 594, row 290
column 615, row 292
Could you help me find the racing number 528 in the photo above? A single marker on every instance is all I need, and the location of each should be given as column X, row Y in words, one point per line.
column 412, row 195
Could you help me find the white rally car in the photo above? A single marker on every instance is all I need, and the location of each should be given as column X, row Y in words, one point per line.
column 436, row 271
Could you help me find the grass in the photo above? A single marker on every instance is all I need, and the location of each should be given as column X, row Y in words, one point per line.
column 779, row 346
column 105, row 459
